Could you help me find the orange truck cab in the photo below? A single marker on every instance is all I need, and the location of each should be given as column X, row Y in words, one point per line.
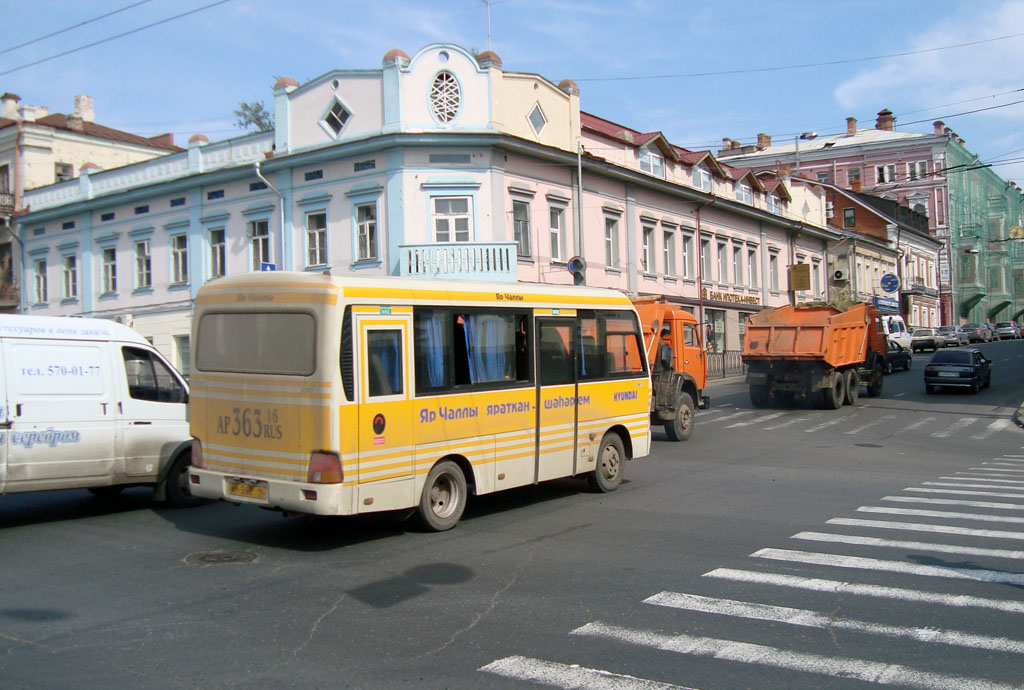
column 678, row 363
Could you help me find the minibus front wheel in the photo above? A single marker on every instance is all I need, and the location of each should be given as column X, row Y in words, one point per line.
column 444, row 497
column 610, row 459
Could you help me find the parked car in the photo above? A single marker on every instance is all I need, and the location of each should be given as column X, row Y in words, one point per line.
column 954, row 335
column 992, row 335
column 960, row 368
column 898, row 357
column 927, row 339
column 1007, row 330
column 977, row 333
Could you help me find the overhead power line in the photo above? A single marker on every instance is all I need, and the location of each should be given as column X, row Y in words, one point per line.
column 112, row 38
column 73, row 26
column 755, row 70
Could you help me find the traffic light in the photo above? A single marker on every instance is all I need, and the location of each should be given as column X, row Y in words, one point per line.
column 578, row 267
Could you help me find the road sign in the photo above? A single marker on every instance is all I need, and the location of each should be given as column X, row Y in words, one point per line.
column 890, row 282
column 267, row 266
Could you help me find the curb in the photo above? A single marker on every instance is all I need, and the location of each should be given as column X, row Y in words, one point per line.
column 1018, row 416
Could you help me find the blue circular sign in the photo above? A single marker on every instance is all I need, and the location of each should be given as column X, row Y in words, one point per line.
column 890, row 282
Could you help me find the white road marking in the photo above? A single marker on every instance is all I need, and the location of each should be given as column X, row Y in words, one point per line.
column 913, row 545
column 814, row 584
column 572, row 677
column 763, row 655
column 924, row 527
column 918, row 423
column 975, row 486
column 734, row 415
column 792, row 421
column 765, row 418
column 954, row 502
column 961, row 423
column 862, row 427
column 831, row 422
column 963, row 492
column 995, row 426
column 984, row 517
column 813, row 619
column 996, row 469
column 973, row 477
column 860, row 563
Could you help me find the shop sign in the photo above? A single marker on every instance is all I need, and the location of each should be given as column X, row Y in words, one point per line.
column 719, row 296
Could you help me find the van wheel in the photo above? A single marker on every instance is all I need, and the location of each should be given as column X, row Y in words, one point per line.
column 852, row 383
column 608, row 474
column 176, row 483
column 106, row 491
column 444, row 497
column 680, row 426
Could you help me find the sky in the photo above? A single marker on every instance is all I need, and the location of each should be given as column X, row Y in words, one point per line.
column 696, row 71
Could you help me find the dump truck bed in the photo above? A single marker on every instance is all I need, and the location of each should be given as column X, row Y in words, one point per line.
column 820, row 334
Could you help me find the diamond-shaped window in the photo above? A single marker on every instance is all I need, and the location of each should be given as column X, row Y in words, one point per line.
column 336, row 117
column 537, row 119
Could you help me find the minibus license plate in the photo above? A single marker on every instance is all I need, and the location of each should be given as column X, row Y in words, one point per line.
column 257, row 491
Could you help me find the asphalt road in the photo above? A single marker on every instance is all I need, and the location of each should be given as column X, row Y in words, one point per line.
column 879, row 544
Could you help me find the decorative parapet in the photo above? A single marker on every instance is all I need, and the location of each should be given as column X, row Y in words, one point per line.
column 460, row 260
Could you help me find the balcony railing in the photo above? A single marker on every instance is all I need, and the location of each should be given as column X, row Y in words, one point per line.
column 6, row 203
column 460, row 260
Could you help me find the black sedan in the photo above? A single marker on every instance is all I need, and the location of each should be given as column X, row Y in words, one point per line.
column 960, row 368
column 898, row 357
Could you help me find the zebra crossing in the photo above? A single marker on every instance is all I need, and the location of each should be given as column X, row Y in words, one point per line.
column 973, row 427
column 988, row 526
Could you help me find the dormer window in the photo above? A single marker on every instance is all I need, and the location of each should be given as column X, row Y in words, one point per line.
column 652, row 162
column 744, row 193
column 537, row 119
column 336, row 117
column 774, row 203
column 702, row 178
column 445, row 97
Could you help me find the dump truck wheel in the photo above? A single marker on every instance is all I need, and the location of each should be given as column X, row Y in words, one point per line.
column 852, row 383
column 832, row 396
column 875, row 382
column 680, row 426
column 758, row 395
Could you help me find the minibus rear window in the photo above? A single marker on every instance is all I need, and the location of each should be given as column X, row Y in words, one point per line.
column 257, row 342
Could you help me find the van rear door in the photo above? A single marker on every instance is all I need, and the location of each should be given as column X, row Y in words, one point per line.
column 152, row 411
column 5, row 423
column 62, row 412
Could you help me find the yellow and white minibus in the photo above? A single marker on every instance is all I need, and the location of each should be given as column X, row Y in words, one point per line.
column 338, row 395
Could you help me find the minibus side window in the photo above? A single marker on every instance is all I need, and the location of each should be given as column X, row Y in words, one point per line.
column 384, row 369
column 347, row 379
column 149, row 378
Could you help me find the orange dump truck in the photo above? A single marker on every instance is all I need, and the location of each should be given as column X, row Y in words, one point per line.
column 808, row 351
column 678, row 365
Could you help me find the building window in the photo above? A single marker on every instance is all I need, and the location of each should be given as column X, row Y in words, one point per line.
column 853, row 176
column 215, row 194
column 705, row 260
column 179, row 259
column 109, row 268
column 688, row 256
column 611, row 243
column 63, row 172
column 737, row 265
column 360, row 166
column 257, row 186
column 521, row 226
column 40, row 281
column 752, row 268
column 106, row 217
column 259, row 243
column 668, row 238
column 366, row 231
column 824, row 177
column 180, row 201
column 723, row 263
column 849, row 218
column 773, row 271
column 445, row 97
column 336, row 117
column 647, row 250
column 313, row 175
column 184, row 351
column 918, row 170
column 218, row 253
column 702, row 178
column 139, row 210
column 143, row 265
column 815, row 278
column 5, row 179
column 652, row 162
column 744, row 193
column 451, row 218
column 70, row 282
column 316, row 239
column 885, row 173
column 556, row 221
column 774, row 204
column 537, row 119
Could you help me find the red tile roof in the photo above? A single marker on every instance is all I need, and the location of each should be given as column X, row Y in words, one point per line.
column 61, row 121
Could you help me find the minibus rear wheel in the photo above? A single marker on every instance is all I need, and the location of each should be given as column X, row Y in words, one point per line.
column 444, row 497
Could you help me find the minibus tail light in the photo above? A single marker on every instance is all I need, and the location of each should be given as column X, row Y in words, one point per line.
column 324, row 468
column 197, row 453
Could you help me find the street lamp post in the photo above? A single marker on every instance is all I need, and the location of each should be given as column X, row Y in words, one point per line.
column 806, row 136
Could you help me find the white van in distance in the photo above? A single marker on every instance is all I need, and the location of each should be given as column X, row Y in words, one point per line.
column 88, row 403
column 895, row 329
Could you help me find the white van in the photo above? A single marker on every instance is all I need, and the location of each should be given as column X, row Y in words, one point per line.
column 895, row 329
column 88, row 403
